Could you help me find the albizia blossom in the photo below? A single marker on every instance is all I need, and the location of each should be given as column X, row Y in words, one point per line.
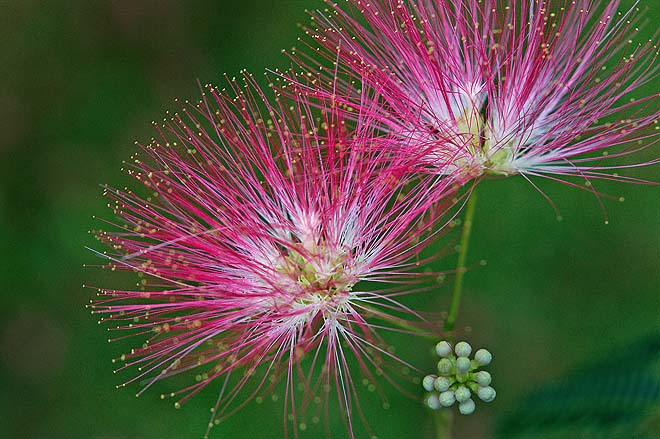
column 260, row 224
column 533, row 87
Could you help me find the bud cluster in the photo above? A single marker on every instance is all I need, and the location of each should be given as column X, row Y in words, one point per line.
column 459, row 378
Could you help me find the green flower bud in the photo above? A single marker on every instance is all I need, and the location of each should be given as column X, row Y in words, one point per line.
column 462, row 394
column 483, row 378
column 427, row 382
column 463, row 365
column 467, row 407
column 443, row 349
column 486, row 394
column 463, row 349
column 483, row 357
column 441, row 384
column 445, row 366
column 447, row 399
column 433, row 401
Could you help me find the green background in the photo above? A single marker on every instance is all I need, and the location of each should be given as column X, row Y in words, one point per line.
column 81, row 80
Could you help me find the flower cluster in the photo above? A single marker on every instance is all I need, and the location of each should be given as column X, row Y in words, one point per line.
column 459, row 378
column 536, row 88
column 261, row 227
column 276, row 236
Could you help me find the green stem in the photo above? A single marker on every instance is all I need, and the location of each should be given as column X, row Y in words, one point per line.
column 460, row 266
column 443, row 422
column 444, row 418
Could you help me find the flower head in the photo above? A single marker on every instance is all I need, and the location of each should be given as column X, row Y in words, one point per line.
column 459, row 378
column 260, row 222
column 495, row 87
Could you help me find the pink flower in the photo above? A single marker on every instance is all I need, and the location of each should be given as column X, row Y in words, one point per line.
column 534, row 88
column 258, row 226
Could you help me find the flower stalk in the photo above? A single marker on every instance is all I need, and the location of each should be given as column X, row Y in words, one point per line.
column 443, row 419
column 460, row 266
column 443, row 422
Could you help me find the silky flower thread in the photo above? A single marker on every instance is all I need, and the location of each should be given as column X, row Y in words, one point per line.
column 261, row 222
column 536, row 88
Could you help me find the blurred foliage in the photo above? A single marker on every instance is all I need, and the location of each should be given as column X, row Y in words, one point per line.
column 618, row 397
column 81, row 80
